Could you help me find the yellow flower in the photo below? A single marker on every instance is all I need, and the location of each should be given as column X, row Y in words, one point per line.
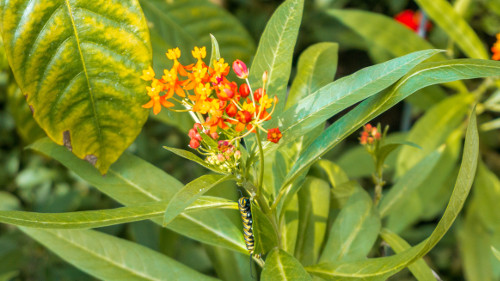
column 199, row 53
column 173, row 54
column 148, row 75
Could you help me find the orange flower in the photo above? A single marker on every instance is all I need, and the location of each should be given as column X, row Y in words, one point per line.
column 411, row 20
column 496, row 49
column 274, row 135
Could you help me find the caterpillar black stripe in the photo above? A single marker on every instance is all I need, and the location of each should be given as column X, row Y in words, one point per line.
column 246, row 217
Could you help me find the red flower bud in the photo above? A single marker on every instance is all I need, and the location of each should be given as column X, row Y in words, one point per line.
column 194, row 143
column 214, row 135
column 244, row 90
column 240, row 69
column 244, row 116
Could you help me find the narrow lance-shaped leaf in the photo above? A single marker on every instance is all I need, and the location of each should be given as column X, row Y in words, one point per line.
column 133, row 181
column 100, row 218
column 215, row 53
column 419, row 269
column 189, row 193
column 354, row 231
column 422, row 76
column 382, row 268
column 280, row 265
column 110, row 258
column 275, row 51
column 443, row 14
column 316, row 67
column 78, row 63
column 319, row 106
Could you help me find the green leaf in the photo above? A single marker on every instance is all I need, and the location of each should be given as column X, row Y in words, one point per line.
column 26, row 126
column 443, row 14
column 409, row 182
column 100, row 218
column 354, row 231
column 215, row 54
column 265, row 236
column 495, row 252
column 433, row 129
column 314, row 207
column 189, row 193
column 339, row 95
column 423, row 75
column 419, row 268
column 487, row 195
column 110, row 258
column 133, row 181
column 290, row 225
column 229, row 265
column 72, row 60
column 280, row 265
column 275, row 51
column 193, row 157
column 316, row 67
column 475, row 246
column 382, row 268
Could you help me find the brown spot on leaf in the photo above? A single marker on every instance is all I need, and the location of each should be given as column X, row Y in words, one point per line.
column 67, row 140
column 32, row 110
column 92, row 159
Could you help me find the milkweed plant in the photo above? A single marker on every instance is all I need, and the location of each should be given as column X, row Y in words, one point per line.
column 288, row 179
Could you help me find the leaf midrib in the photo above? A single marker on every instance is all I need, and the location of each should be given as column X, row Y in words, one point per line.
column 91, row 94
column 104, row 258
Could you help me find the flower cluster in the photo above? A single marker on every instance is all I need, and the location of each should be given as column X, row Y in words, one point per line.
column 223, row 111
column 369, row 135
column 496, row 49
column 411, row 20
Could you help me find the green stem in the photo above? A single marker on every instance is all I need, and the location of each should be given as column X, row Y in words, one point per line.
column 261, row 152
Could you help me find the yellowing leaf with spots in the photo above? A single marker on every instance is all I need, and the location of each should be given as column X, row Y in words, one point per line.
column 78, row 63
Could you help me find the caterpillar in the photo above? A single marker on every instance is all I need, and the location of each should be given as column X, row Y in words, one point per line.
column 246, row 217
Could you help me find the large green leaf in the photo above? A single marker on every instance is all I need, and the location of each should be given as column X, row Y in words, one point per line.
column 433, row 129
column 189, row 193
column 314, row 207
column 195, row 158
column 280, row 265
column 422, row 76
column 111, row 258
column 78, row 63
column 354, row 231
column 316, row 67
column 275, row 51
column 229, row 265
column 133, row 181
column 419, row 268
column 487, row 194
column 409, row 182
column 319, row 106
column 100, row 218
column 443, row 14
column 382, row 268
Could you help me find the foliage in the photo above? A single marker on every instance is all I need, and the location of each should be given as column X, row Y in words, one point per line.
column 111, row 204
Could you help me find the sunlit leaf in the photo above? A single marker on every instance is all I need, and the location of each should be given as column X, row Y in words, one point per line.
column 78, row 63
column 100, row 218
